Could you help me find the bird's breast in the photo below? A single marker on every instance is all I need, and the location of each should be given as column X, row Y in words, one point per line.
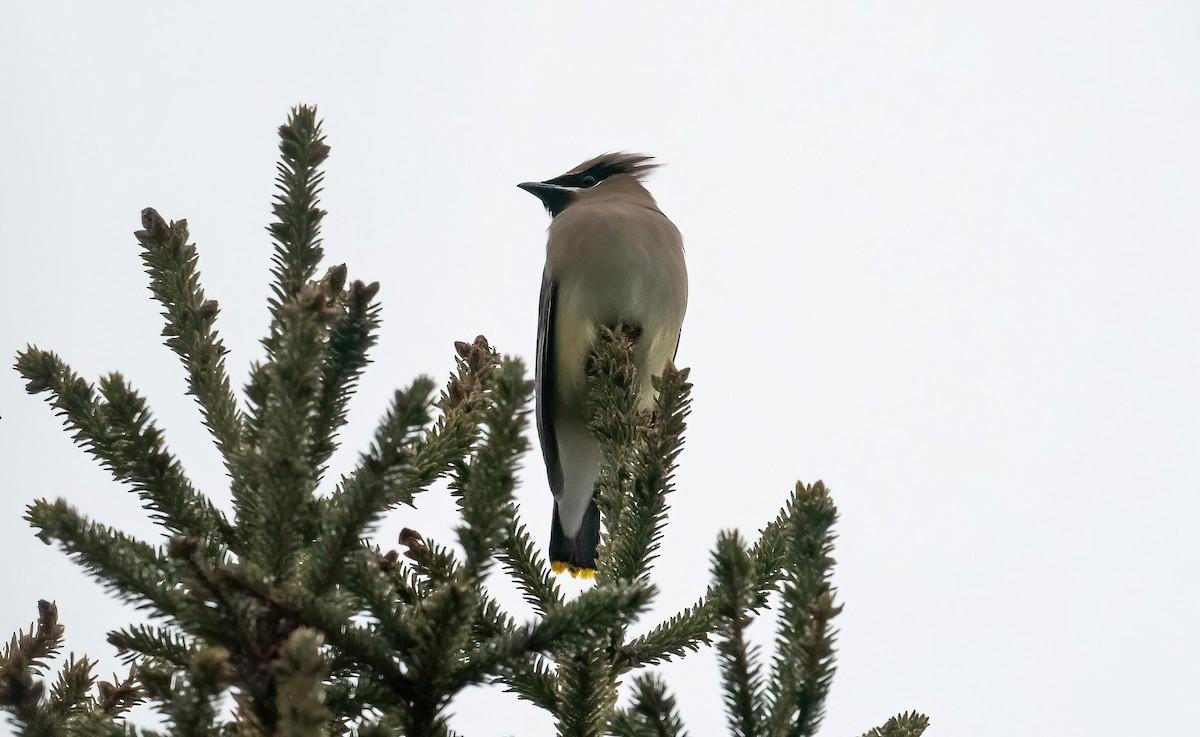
column 615, row 267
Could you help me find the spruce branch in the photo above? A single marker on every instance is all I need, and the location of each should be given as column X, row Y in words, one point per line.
column 351, row 334
column 69, row 694
column 115, row 428
column 297, row 227
column 399, row 463
column 188, row 700
column 435, row 565
column 620, row 427
column 527, row 567
column 908, row 724
column 804, row 663
column 588, row 693
column 349, row 696
column 658, row 461
column 389, row 724
column 278, row 512
column 157, row 643
column 131, row 569
column 252, row 623
column 653, row 712
column 24, row 659
column 638, row 528
column 533, row 681
column 444, row 624
column 387, row 598
column 741, row 674
column 680, row 634
column 75, row 704
column 491, row 621
column 175, row 282
column 136, row 454
column 231, row 614
column 360, row 647
column 639, row 452
column 115, row 697
column 690, row 628
column 769, row 555
column 300, row 699
column 574, row 625
column 484, row 486
column 386, row 474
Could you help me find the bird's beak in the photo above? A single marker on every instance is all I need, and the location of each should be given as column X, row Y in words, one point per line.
column 554, row 197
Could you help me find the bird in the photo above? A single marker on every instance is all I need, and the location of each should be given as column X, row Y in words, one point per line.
column 612, row 257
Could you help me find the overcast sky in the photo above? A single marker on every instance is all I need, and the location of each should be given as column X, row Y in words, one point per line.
column 942, row 256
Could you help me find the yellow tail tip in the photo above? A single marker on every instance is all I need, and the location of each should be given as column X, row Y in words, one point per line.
column 576, row 572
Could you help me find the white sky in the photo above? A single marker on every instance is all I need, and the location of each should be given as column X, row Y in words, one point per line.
column 942, row 255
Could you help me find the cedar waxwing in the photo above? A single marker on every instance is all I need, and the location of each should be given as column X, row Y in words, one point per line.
column 611, row 257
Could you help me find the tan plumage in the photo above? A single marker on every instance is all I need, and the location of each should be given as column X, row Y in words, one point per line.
column 611, row 257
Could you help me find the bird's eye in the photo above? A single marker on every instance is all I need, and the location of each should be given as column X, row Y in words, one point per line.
column 588, row 180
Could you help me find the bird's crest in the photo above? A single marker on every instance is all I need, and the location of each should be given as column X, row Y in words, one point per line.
column 620, row 162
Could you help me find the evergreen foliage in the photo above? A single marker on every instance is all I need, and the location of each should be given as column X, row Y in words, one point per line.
column 290, row 611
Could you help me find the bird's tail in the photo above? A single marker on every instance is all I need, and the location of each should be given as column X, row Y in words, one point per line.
column 575, row 554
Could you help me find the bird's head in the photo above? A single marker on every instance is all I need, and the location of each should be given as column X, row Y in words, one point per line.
column 558, row 193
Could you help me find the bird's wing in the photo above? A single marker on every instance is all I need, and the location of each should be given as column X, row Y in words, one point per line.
column 546, row 389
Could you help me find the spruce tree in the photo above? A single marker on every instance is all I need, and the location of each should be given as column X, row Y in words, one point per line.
column 288, row 609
